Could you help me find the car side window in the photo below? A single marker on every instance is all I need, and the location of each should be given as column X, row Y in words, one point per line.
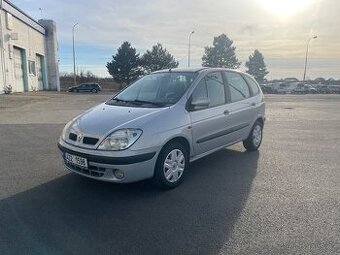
column 238, row 87
column 215, row 88
column 200, row 91
column 211, row 87
column 252, row 84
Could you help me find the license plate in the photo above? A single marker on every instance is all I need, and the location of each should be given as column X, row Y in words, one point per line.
column 76, row 160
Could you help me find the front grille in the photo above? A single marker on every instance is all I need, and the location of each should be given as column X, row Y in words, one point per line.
column 92, row 170
column 90, row 140
column 86, row 139
column 72, row 137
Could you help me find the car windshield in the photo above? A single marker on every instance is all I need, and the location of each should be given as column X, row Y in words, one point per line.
column 156, row 90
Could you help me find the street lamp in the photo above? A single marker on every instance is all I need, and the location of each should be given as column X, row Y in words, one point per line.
column 189, row 47
column 304, row 74
column 74, row 56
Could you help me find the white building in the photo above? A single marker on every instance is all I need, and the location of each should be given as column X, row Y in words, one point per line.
column 29, row 53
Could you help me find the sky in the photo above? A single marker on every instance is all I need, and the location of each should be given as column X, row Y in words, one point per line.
column 279, row 29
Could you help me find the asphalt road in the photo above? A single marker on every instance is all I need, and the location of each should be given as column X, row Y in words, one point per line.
column 284, row 199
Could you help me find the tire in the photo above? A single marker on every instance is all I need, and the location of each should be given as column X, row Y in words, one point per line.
column 94, row 91
column 254, row 140
column 77, row 91
column 170, row 175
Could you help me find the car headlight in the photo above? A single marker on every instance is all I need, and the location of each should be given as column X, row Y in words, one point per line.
column 120, row 139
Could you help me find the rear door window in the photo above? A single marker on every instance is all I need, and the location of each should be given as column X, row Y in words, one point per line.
column 238, row 87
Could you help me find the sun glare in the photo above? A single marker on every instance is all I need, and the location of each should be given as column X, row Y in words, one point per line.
column 285, row 8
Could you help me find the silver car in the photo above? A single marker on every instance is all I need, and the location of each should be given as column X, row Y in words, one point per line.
column 158, row 125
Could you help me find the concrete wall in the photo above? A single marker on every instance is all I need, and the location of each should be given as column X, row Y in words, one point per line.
column 2, row 55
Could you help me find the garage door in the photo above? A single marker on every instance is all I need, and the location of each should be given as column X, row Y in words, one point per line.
column 40, row 72
column 18, row 71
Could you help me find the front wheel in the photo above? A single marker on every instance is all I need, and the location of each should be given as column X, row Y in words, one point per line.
column 253, row 141
column 171, row 164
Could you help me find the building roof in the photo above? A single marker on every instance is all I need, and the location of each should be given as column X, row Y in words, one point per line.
column 21, row 15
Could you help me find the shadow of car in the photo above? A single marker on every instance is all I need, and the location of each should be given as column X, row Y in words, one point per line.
column 71, row 214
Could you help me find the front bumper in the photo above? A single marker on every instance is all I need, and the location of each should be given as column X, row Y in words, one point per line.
column 101, row 167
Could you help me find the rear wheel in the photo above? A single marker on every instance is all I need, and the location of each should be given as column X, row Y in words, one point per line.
column 253, row 141
column 171, row 164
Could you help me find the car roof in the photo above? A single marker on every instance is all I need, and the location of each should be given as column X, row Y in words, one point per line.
column 194, row 70
column 181, row 70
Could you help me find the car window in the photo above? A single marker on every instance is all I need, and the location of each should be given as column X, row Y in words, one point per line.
column 252, row 84
column 212, row 87
column 215, row 88
column 238, row 87
column 200, row 91
column 150, row 90
column 158, row 88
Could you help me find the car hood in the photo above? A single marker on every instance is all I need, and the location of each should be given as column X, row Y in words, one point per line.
column 103, row 119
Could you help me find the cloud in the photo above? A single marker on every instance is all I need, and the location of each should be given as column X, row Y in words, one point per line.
column 105, row 24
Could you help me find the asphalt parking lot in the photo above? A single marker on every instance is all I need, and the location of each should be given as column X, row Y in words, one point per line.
column 283, row 199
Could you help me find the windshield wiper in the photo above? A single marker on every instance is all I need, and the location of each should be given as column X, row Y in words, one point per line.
column 137, row 101
column 120, row 100
column 147, row 102
column 112, row 100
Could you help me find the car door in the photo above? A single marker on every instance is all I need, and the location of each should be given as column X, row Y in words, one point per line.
column 81, row 87
column 241, row 105
column 88, row 87
column 209, row 122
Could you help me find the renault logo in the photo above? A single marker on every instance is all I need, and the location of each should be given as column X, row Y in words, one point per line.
column 79, row 137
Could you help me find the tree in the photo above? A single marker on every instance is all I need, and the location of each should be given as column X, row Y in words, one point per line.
column 125, row 65
column 256, row 66
column 221, row 54
column 157, row 59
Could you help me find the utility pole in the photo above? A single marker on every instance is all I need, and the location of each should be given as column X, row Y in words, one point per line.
column 41, row 13
column 74, row 56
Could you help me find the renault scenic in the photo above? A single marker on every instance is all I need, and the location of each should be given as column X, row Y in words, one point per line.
column 159, row 124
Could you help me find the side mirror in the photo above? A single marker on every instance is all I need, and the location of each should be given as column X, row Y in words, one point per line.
column 200, row 103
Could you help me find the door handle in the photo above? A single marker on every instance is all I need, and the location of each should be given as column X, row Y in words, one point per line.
column 226, row 112
column 253, row 104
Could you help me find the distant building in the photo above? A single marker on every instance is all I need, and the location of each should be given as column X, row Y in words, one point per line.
column 29, row 52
